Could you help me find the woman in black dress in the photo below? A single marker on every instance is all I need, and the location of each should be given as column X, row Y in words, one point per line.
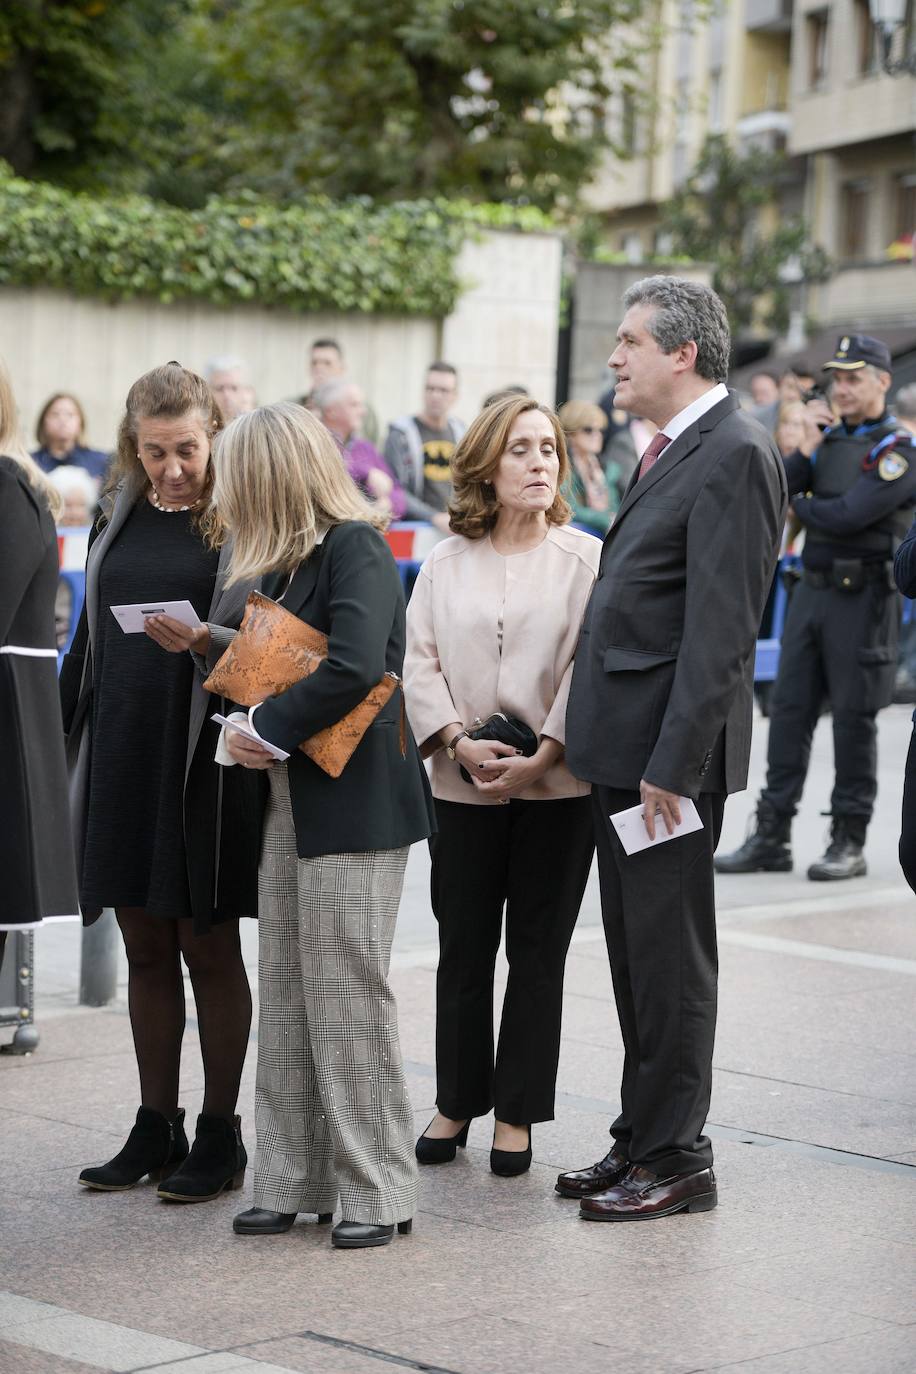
column 36, row 858
column 162, row 835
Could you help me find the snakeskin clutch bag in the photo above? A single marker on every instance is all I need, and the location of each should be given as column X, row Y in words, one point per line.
column 274, row 649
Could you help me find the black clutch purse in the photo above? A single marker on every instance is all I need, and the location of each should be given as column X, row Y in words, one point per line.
column 506, row 730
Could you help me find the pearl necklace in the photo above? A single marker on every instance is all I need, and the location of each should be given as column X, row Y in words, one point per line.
column 171, row 510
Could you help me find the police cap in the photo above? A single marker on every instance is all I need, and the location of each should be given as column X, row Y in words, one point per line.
column 859, row 350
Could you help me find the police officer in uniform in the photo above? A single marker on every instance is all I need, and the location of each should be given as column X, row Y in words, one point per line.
column 854, row 491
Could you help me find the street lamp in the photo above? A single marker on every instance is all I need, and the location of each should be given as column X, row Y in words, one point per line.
column 888, row 16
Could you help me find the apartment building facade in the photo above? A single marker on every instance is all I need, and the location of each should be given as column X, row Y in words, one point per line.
column 800, row 75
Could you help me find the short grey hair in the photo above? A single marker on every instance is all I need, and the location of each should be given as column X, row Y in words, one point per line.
column 225, row 363
column 686, row 311
column 905, row 402
column 329, row 393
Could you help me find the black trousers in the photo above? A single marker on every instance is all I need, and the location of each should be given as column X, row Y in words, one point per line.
column 908, row 822
column 839, row 647
column 660, row 923
column 533, row 858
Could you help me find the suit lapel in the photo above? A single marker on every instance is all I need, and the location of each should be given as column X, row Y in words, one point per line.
column 123, row 505
column 303, row 583
column 677, row 450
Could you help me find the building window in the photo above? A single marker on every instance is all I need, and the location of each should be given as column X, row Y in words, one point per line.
column 906, row 206
column 631, row 246
column 818, row 25
column 854, row 219
column 715, row 101
column 629, row 128
column 865, row 39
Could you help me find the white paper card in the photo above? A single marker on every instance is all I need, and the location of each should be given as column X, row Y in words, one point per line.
column 132, row 618
column 631, row 826
column 240, row 724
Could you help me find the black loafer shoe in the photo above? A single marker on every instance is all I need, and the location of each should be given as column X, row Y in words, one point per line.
column 359, row 1235
column 607, row 1173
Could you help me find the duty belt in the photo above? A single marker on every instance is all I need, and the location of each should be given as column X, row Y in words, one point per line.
column 840, row 579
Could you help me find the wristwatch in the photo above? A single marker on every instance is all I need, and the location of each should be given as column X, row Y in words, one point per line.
column 450, row 747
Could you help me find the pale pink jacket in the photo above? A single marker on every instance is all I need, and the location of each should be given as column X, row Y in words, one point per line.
column 454, row 669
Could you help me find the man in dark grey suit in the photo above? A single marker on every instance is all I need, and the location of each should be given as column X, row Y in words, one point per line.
column 660, row 709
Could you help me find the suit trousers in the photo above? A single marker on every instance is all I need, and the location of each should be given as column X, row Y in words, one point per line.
column 331, row 1107
column 533, row 858
column 659, row 917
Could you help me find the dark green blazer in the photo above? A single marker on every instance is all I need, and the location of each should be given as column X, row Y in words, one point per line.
column 350, row 589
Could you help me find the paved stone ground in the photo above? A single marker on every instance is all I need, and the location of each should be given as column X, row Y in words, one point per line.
column 806, row 1267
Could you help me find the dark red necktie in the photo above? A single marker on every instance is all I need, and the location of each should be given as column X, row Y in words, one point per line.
column 652, row 454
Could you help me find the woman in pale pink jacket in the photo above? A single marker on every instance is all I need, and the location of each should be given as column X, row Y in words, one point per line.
column 492, row 626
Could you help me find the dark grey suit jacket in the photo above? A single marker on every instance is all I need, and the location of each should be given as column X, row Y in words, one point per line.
column 662, row 687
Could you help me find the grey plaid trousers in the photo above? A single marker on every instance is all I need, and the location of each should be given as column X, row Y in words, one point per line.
column 331, row 1108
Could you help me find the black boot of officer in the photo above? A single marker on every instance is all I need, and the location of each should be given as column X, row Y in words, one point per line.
column 843, row 857
column 767, row 848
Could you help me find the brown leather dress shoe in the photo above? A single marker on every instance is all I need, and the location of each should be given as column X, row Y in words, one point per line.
column 596, row 1178
column 641, row 1195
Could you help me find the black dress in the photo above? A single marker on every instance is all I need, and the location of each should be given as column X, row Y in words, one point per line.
column 37, row 878
column 135, row 853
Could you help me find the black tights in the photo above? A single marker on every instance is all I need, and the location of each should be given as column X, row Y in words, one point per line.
column 155, row 948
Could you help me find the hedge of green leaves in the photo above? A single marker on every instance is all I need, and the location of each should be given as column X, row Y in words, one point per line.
column 317, row 254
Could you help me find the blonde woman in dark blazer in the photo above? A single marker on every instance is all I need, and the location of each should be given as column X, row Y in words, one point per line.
column 333, row 1117
column 161, row 835
column 492, row 626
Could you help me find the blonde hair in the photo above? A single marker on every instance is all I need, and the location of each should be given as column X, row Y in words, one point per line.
column 575, row 415
column 11, row 446
column 168, row 392
column 474, row 508
column 280, row 481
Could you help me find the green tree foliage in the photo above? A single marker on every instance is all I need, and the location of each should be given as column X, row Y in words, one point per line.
column 352, row 255
column 716, row 218
column 494, row 100
column 107, row 94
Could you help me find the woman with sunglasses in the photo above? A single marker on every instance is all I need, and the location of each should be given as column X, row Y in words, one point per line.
column 592, row 500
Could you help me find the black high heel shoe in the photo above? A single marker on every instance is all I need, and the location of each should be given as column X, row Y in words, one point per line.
column 155, row 1147
column 510, row 1163
column 442, row 1151
column 359, row 1235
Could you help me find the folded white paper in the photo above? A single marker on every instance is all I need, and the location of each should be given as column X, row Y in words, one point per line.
column 238, row 722
column 631, row 826
column 132, row 619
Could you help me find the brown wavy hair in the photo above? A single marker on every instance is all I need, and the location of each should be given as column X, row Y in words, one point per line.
column 474, row 509
column 168, row 392
column 60, row 396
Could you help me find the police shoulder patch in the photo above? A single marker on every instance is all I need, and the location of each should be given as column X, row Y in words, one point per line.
column 892, row 466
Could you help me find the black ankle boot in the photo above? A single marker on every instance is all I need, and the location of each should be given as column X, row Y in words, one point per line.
column 155, row 1146
column 843, row 857
column 766, row 849
column 361, row 1235
column 216, row 1162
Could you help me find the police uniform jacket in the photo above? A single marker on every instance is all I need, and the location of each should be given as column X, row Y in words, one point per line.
column 859, row 490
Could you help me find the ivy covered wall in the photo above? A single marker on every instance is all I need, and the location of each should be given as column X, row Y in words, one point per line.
column 314, row 255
